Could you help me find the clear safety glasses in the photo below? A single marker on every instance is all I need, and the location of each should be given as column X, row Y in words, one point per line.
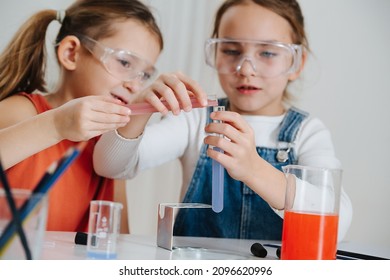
column 268, row 59
column 121, row 64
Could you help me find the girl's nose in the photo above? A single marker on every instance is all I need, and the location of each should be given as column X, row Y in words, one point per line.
column 246, row 67
column 133, row 86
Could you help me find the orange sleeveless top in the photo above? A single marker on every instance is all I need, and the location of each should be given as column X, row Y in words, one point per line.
column 70, row 196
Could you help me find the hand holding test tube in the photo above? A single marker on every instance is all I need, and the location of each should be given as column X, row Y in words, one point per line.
column 217, row 176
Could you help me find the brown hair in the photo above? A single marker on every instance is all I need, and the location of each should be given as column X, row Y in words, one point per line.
column 287, row 9
column 23, row 63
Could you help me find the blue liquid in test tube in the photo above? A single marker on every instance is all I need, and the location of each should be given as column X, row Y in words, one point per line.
column 217, row 177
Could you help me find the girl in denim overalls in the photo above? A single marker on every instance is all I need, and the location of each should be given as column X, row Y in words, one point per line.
column 245, row 215
column 256, row 55
column 257, row 48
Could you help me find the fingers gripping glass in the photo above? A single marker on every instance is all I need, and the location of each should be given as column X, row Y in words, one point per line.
column 268, row 59
column 121, row 64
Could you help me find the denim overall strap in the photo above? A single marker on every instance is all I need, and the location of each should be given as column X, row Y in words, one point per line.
column 291, row 124
column 245, row 215
column 288, row 132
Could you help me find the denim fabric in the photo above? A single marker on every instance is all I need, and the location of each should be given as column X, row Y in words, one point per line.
column 245, row 215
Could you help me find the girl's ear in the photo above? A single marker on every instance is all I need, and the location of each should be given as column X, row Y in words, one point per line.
column 68, row 52
column 296, row 74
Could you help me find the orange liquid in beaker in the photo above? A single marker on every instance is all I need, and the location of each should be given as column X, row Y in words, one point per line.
column 309, row 236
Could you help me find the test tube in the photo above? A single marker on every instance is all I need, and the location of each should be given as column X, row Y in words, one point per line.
column 217, row 176
column 146, row 108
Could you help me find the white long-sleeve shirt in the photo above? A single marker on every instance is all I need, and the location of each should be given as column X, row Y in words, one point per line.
column 181, row 137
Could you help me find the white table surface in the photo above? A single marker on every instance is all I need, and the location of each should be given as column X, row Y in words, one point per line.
column 61, row 246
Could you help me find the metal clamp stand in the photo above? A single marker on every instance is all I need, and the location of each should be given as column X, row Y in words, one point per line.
column 166, row 221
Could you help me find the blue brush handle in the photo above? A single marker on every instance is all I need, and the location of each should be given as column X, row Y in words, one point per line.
column 43, row 187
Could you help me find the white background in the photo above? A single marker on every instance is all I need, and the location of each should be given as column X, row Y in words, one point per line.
column 346, row 85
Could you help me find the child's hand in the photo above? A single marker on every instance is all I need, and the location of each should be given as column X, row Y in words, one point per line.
column 86, row 117
column 240, row 156
column 176, row 89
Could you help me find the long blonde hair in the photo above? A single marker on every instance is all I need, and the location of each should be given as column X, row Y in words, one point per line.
column 23, row 63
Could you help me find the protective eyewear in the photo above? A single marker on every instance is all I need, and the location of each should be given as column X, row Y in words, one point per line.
column 268, row 59
column 121, row 64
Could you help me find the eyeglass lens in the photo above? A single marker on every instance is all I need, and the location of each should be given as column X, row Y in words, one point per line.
column 120, row 63
column 267, row 60
column 128, row 67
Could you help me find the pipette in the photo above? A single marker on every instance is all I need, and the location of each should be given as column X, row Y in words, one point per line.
column 147, row 108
